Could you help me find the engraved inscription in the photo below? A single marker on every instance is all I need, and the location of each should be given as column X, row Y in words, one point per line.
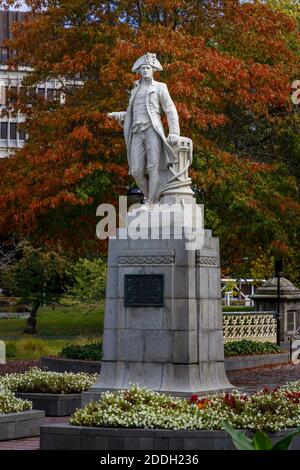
column 144, row 290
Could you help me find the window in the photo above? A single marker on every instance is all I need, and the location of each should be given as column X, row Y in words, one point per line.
column 3, row 55
column 41, row 92
column 22, row 134
column 3, row 130
column 57, row 95
column 31, row 94
column 293, row 320
column 13, row 130
column 50, row 94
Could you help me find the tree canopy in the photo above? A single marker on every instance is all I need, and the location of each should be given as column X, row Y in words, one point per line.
column 229, row 66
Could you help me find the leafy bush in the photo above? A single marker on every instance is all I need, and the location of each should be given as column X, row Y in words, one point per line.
column 36, row 380
column 87, row 352
column 10, row 404
column 142, row 408
column 248, row 347
column 11, row 349
column 89, row 280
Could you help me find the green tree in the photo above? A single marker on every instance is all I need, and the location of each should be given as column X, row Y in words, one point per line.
column 37, row 276
column 88, row 280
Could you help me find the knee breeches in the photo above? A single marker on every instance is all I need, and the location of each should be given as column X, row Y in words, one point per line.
column 145, row 152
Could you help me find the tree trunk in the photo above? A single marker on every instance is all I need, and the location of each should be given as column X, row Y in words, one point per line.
column 31, row 321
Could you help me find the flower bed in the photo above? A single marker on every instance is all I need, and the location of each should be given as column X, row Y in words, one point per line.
column 10, row 404
column 142, row 408
column 36, row 380
column 17, row 419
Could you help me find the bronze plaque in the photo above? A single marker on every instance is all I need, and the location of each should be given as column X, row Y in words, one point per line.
column 144, row 290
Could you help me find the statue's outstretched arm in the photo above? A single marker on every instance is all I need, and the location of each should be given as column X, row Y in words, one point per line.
column 119, row 116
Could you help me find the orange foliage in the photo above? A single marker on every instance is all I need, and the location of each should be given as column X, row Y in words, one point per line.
column 218, row 57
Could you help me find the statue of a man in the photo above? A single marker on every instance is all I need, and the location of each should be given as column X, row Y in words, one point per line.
column 148, row 149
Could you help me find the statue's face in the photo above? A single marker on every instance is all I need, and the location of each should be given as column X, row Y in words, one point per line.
column 146, row 71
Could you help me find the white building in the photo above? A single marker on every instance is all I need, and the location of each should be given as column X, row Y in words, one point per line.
column 11, row 133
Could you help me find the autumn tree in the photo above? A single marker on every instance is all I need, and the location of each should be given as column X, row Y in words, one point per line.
column 229, row 66
column 289, row 7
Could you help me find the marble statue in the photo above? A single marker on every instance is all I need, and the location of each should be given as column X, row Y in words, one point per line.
column 148, row 149
column 163, row 310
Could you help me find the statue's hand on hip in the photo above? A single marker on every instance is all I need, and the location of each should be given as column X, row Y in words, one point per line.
column 173, row 139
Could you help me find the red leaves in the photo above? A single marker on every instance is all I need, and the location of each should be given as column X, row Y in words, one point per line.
column 219, row 58
column 82, row 134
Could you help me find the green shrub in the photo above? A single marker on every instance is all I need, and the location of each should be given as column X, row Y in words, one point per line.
column 36, row 380
column 37, row 276
column 87, row 352
column 248, row 347
column 11, row 349
column 10, row 404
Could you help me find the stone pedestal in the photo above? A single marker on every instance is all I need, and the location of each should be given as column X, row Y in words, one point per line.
column 177, row 346
column 265, row 299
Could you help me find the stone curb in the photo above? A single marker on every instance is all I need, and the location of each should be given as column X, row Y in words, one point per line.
column 68, row 437
column 247, row 362
column 21, row 425
column 53, row 404
column 70, row 365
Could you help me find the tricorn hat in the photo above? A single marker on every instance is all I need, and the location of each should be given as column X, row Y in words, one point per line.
column 147, row 59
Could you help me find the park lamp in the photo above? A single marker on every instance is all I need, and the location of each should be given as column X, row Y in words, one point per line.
column 278, row 274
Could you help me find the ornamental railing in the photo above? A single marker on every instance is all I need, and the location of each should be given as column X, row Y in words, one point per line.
column 256, row 326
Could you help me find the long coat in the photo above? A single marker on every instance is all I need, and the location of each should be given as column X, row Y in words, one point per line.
column 157, row 99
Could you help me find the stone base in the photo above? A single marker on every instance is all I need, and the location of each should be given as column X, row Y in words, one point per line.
column 177, row 380
column 53, row 404
column 67, row 437
column 176, row 346
column 20, row 425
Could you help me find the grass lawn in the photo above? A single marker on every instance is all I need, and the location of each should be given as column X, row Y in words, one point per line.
column 66, row 323
column 34, row 348
column 63, row 321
